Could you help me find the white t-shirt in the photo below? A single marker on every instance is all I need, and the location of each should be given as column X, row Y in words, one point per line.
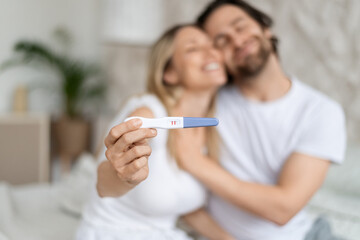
column 150, row 210
column 257, row 138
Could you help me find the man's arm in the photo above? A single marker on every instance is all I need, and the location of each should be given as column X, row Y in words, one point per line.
column 300, row 178
column 203, row 223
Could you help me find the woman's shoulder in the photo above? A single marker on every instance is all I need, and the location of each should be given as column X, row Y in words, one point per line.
column 142, row 112
column 146, row 105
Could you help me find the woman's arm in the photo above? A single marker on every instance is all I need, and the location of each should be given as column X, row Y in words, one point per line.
column 108, row 182
column 127, row 157
column 299, row 179
column 203, row 223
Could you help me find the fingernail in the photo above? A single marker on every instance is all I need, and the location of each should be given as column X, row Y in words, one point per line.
column 153, row 131
column 137, row 122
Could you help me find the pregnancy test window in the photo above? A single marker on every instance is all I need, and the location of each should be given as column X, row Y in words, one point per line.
column 174, row 122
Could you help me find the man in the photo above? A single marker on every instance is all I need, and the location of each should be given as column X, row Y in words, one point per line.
column 278, row 135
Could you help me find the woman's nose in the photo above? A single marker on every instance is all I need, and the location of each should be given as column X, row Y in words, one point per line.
column 213, row 53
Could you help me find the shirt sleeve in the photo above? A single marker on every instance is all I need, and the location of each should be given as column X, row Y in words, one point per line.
column 324, row 134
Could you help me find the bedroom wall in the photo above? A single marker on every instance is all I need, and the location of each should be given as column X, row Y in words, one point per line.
column 36, row 20
column 318, row 44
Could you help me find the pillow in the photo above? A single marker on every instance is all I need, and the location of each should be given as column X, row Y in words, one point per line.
column 74, row 190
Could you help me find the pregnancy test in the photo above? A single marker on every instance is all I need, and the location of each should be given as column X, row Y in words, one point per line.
column 176, row 122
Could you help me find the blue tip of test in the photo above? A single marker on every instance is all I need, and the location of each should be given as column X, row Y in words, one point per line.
column 191, row 122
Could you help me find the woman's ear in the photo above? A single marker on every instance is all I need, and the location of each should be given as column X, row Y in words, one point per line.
column 171, row 76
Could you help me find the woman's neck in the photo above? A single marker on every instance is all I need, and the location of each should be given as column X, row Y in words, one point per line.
column 193, row 104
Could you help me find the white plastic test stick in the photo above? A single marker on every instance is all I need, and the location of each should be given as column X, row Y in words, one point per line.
column 176, row 122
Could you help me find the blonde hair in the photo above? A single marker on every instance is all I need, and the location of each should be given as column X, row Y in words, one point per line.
column 159, row 60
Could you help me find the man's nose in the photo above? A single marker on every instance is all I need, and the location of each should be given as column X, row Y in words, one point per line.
column 237, row 40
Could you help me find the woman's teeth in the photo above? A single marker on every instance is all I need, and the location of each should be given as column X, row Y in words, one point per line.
column 212, row 66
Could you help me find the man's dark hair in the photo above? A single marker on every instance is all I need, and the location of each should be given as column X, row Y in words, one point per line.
column 263, row 19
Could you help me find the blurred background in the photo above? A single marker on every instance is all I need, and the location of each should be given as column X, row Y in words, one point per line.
column 67, row 66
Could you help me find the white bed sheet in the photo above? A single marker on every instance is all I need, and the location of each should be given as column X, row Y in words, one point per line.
column 45, row 211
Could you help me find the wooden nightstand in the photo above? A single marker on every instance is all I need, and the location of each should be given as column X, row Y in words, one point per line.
column 24, row 148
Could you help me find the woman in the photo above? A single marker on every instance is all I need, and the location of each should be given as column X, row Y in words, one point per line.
column 185, row 72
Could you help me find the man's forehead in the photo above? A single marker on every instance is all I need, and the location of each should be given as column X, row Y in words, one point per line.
column 223, row 18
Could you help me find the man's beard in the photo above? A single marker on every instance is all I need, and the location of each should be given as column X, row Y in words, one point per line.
column 253, row 64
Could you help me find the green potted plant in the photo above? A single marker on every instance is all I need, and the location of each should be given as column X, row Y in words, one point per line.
column 80, row 84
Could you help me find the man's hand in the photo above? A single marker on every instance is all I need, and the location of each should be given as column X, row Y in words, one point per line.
column 189, row 145
column 128, row 150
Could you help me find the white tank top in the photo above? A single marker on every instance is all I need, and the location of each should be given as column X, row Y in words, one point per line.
column 156, row 203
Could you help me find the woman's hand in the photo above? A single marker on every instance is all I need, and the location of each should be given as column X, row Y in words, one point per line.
column 128, row 150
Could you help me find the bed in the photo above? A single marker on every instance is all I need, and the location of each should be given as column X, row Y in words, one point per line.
column 46, row 211
column 53, row 211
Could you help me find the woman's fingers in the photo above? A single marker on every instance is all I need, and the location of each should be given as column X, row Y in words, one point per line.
column 116, row 132
column 128, row 150
column 132, row 164
column 119, row 160
column 136, row 171
column 130, row 138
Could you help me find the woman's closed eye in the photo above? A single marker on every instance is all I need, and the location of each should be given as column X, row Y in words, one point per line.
column 192, row 49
